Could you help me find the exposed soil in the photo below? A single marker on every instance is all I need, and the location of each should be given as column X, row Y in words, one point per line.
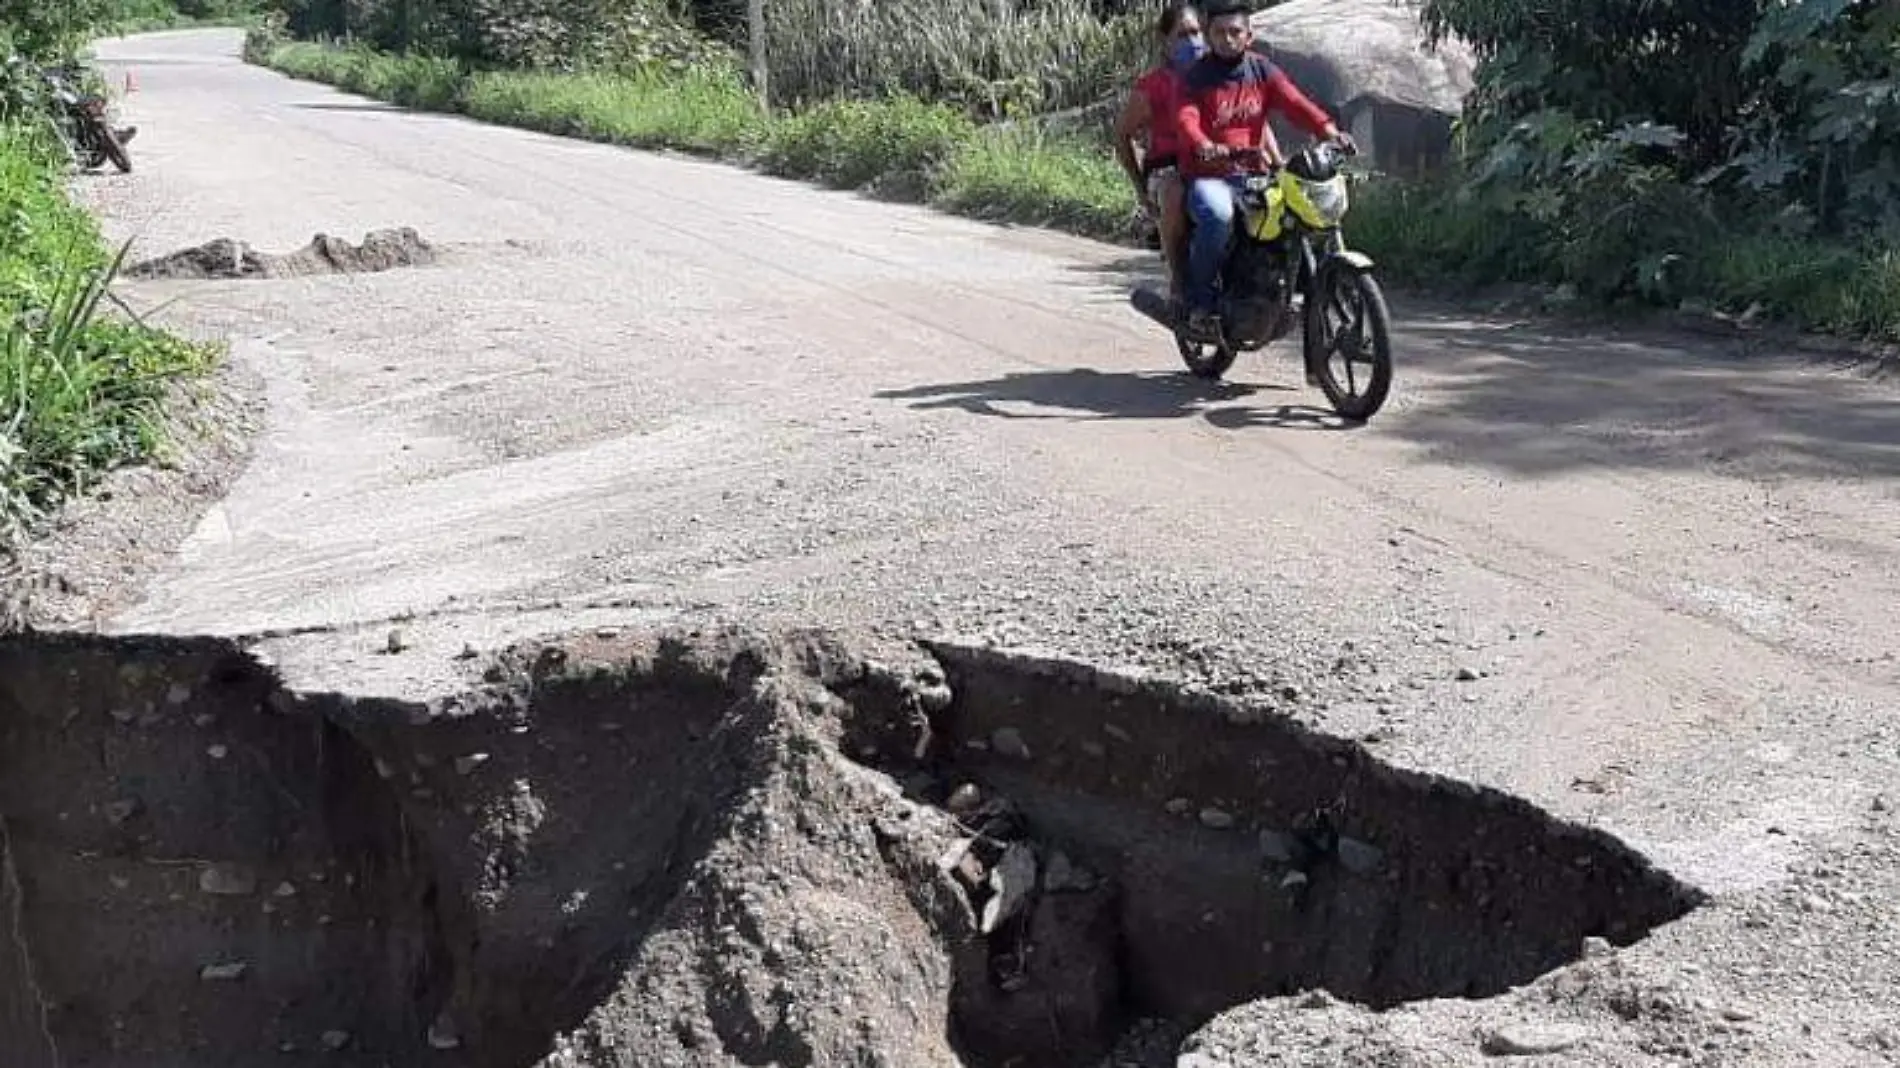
column 729, row 850
column 381, row 250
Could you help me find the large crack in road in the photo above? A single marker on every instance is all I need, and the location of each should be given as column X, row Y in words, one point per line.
column 758, row 851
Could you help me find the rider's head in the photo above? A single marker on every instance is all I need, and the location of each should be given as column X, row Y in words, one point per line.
column 1229, row 28
column 1179, row 33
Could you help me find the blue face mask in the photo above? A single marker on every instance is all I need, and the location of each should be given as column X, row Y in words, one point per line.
column 1187, row 51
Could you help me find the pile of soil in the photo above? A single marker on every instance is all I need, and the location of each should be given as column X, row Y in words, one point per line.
column 728, row 849
column 223, row 258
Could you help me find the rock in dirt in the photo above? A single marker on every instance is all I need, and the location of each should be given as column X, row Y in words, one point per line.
column 120, row 811
column 960, row 861
column 1014, row 877
column 1280, row 847
column 1064, row 876
column 964, row 798
column 1008, row 741
column 443, row 1035
column 1529, row 1040
column 335, row 1040
column 223, row 973
column 227, row 880
column 226, row 258
column 1360, row 858
column 1217, row 819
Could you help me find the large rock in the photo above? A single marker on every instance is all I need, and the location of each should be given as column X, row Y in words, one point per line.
column 1369, row 63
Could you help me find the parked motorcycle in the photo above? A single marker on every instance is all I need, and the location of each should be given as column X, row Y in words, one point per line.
column 80, row 118
column 1289, row 256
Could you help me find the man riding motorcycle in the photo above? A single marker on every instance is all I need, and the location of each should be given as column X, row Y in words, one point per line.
column 1222, row 126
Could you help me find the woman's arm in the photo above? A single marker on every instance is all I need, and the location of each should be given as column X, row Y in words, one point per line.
column 1129, row 130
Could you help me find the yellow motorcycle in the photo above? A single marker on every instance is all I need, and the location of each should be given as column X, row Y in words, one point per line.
column 1288, row 247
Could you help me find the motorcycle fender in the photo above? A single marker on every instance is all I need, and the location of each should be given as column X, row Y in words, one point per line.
column 1355, row 259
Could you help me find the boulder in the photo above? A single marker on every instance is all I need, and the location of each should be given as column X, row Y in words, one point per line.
column 1370, row 64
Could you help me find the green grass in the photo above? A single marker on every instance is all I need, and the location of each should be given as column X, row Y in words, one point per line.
column 697, row 112
column 1019, row 176
column 1426, row 236
column 81, row 392
column 901, row 143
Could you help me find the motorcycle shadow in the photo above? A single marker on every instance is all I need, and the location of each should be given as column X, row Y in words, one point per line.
column 1084, row 393
column 1284, row 417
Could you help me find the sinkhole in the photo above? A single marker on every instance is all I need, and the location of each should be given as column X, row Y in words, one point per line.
column 727, row 848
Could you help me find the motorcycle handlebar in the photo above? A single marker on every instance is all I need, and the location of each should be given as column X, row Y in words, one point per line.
column 1258, row 155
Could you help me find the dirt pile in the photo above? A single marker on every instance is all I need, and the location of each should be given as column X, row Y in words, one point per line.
column 728, row 850
column 224, row 258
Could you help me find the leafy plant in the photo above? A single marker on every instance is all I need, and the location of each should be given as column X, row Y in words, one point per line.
column 80, row 390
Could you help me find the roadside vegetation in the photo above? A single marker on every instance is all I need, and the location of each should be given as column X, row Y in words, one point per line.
column 82, row 386
column 1714, row 156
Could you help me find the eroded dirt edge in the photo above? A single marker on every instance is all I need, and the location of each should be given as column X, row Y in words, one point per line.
column 732, row 848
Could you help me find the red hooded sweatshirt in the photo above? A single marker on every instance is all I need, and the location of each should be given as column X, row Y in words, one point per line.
column 1228, row 104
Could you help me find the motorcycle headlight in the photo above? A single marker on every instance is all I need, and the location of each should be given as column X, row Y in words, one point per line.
column 1328, row 198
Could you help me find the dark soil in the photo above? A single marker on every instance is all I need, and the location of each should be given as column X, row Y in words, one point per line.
column 727, row 850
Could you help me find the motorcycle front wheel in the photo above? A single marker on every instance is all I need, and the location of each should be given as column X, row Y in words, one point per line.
column 1348, row 335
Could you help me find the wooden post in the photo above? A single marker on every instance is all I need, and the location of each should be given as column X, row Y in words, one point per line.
column 755, row 49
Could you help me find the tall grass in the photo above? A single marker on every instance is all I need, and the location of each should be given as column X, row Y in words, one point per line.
column 694, row 111
column 80, row 392
column 1001, row 57
column 1021, row 176
column 898, row 144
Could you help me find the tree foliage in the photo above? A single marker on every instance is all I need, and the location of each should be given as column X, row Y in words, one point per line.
column 542, row 34
column 47, row 31
column 1619, row 132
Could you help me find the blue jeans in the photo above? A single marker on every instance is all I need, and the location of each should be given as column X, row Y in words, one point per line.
column 1210, row 203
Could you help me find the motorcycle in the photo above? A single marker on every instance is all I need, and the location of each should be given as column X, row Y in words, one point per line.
column 80, row 120
column 1289, row 257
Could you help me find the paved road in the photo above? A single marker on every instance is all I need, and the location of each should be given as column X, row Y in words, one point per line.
column 645, row 387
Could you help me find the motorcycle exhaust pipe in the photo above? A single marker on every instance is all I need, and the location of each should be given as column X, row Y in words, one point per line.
column 1152, row 301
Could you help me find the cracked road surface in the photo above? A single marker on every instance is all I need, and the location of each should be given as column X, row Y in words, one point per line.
column 1643, row 581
